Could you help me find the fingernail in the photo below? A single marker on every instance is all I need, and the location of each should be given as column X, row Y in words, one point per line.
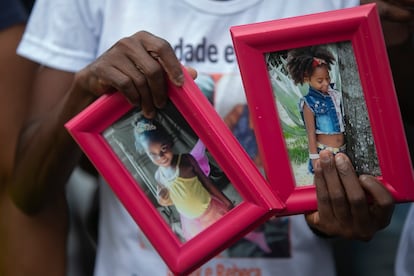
column 179, row 80
column 325, row 158
column 150, row 115
column 340, row 162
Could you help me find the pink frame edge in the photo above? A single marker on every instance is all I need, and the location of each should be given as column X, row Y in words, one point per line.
column 181, row 258
column 359, row 25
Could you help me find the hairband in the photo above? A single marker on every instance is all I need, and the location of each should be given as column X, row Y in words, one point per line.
column 317, row 62
column 144, row 126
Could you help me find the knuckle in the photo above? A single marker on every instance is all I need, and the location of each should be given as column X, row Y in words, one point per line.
column 125, row 84
column 161, row 45
column 337, row 198
column 324, row 199
column 140, row 83
column 358, row 201
column 95, row 68
column 153, row 71
column 158, row 44
column 124, row 44
column 142, row 34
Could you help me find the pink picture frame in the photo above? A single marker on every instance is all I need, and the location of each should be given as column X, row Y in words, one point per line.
column 262, row 47
column 91, row 129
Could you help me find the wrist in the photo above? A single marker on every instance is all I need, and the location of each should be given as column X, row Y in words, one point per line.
column 90, row 84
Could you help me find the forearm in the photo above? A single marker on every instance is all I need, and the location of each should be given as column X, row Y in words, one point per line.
column 312, row 144
column 15, row 79
column 310, row 130
column 46, row 154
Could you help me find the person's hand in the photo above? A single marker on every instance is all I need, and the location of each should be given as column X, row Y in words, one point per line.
column 162, row 193
column 394, row 10
column 136, row 66
column 163, row 196
column 348, row 206
column 396, row 19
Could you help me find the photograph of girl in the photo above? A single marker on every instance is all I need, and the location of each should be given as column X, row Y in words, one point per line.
column 180, row 180
column 321, row 105
column 321, row 108
column 174, row 169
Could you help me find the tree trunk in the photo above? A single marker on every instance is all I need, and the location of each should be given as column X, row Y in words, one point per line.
column 359, row 140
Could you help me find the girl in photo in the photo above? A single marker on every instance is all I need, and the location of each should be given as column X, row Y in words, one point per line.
column 181, row 182
column 321, row 107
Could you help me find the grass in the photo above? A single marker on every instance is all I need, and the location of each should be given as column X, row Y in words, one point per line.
column 297, row 148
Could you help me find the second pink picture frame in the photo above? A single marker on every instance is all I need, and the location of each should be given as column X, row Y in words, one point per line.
column 269, row 53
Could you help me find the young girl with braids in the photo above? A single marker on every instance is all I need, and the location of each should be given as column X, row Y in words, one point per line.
column 180, row 181
column 321, row 108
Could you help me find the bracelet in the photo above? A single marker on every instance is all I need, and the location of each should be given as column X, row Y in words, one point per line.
column 313, row 156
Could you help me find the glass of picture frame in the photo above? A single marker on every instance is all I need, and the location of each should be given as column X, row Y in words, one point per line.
column 372, row 126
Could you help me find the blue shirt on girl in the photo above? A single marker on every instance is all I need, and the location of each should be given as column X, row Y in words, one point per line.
column 327, row 110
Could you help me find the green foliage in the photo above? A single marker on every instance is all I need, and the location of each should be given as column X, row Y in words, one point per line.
column 298, row 149
column 288, row 95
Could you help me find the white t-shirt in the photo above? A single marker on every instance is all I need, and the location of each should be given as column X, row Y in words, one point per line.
column 404, row 261
column 69, row 34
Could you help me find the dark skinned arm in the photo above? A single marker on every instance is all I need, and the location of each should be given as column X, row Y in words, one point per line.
column 46, row 154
